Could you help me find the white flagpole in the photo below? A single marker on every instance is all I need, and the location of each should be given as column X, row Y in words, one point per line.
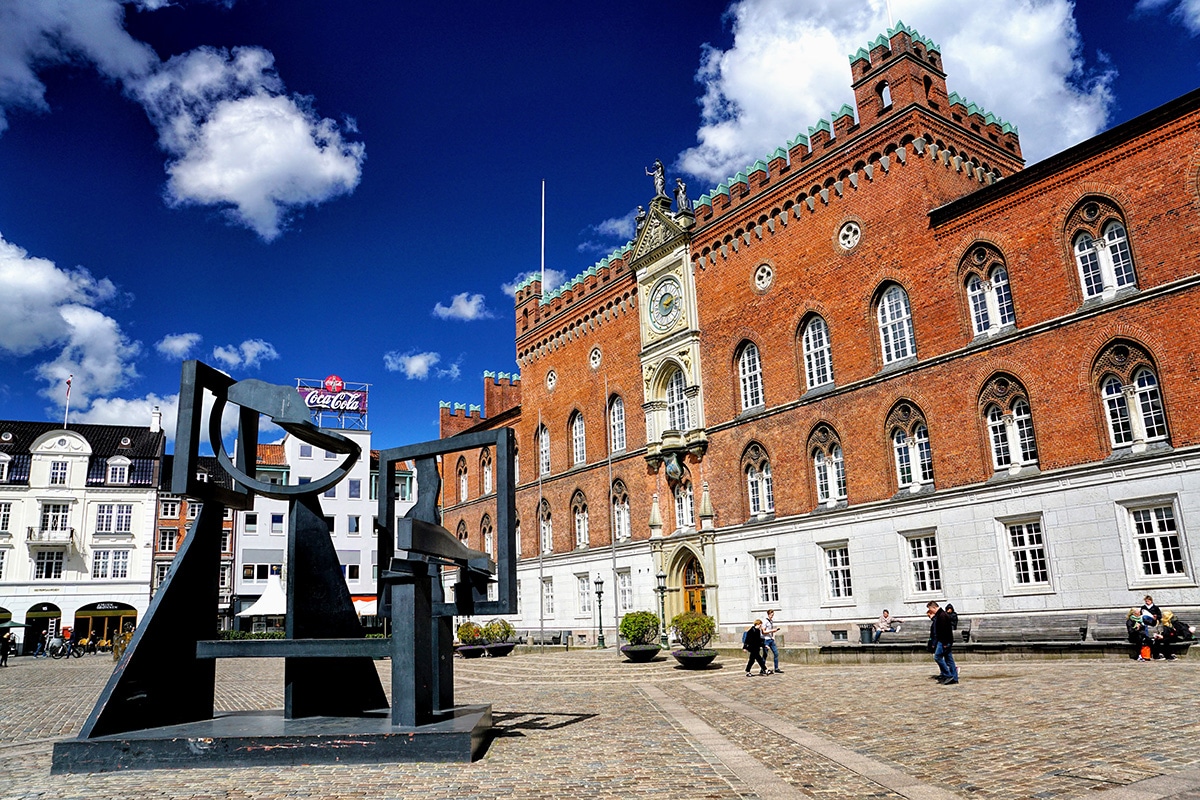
column 67, row 410
column 543, row 238
column 891, row 22
column 537, row 454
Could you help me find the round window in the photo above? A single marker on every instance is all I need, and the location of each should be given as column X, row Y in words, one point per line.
column 849, row 235
column 764, row 276
column 551, row 380
column 594, row 357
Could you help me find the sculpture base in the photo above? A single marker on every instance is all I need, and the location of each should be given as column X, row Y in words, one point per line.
column 265, row 738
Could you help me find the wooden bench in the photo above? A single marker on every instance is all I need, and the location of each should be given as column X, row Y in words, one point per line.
column 1109, row 627
column 917, row 632
column 1026, row 628
column 542, row 637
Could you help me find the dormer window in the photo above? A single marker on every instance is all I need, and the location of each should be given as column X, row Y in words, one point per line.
column 118, row 471
column 4, row 459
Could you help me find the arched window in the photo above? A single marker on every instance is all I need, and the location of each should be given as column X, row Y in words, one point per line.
column 885, row 96
column 616, row 424
column 543, row 450
column 818, row 365
column 461, row 471
column 750, row 373
column 1101, row 248
column 911, row 449
column 579, row 511
column 485, row 470
column 461, row 531
column 759, row 487
column 1133, row 401
column 895, row 326
column 685, row 516
column 485, row 533
column 516, row 465
column 517, row 538
column 988, row 291
column 620, row 511
column 578, row 440
column 1009, row 424
column 547, row 527
column 677, row 404
column 829, row 466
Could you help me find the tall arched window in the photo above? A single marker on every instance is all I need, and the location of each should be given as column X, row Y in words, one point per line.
column 485, row 532
column 1101, row 248
column 685, row 516
column 461, row 531
column 620, row 511
column 546, row 526
column 543, row 450
column 616, row 424
column 818, row 365
column 895, row 326
column 911, row 448
column 750, row 373
column 485, row 470
column 516, row 465
column 461, row 471
column 677, row 404
column 759, row 487
column 1133, row 401
column 517, row 537
column 578, row 440
column 829, row 466
column 579, row 511
column 988, row 290
column 1009, row 423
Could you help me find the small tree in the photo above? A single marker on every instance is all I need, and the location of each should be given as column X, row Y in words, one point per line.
column 639, row 627
column 470, row 633
column 498, row 631
column 694, row 630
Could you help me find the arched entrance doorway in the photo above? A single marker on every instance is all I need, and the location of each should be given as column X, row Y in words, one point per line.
column 5, row 615
column 38, row 620
column 99, row 622
column 693, row 587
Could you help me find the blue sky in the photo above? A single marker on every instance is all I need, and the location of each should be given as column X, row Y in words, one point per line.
column 294, row 189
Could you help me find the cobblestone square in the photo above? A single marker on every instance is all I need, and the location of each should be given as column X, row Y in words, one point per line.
column 587, row 724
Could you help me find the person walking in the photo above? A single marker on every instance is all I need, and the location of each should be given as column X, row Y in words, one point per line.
column 752, row 642
column 5, row 647
column 768, row 632
column 942, row 638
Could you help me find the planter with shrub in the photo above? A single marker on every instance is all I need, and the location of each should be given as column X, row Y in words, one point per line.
column 498, row 634
column 640, row 629
column 472, row 643
column 694, row 631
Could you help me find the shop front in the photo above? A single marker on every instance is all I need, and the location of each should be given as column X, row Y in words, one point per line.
column 100, row 622
column 39, row 619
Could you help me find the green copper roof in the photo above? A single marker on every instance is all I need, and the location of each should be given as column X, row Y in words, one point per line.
column 863, row 53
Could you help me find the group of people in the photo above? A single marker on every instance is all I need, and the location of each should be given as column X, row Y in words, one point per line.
column 1156, row 634
column 757, row 639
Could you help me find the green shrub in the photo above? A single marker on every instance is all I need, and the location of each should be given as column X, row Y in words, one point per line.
column 470, row 633
column 639, row 627
column 498, row 631
column 693, row 630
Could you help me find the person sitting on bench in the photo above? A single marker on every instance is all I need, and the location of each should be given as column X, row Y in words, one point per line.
column 885, row 624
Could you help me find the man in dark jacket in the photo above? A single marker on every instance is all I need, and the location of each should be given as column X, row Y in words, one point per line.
column 941, row 634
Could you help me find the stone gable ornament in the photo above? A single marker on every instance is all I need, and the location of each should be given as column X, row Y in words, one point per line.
column 660, row 179
column 682, row 204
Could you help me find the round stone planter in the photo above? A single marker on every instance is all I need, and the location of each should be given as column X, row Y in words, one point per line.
column 499, row 649
column 639, row 653
column 472, row 650
column 694, row 659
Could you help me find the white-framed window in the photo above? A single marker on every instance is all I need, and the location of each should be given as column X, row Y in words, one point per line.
column 277, row 524
column 1027, row 554
column 548, row 597
column 168, row 509
column 547, row 528
column 48, row 565
column 768, row 579
column 1105, row 265
column 760, row 488
column 750, row 376
column 914, row 458
column 624, row 591
column 250, row 522
column 578, row 440
column 896, row 326
column 258, row 573
column 620, row 511
column 104, row 518
column 678, row 418
column 354, row 525
column 486, row 471
column 543, row 450
column 306, row 451
column 110, row 564
column 3, row 553
column 226, row 540
column 56, row 516
column 5, row 517
column 829, row 471
column 818, row 360
column 584, row 585
column 839, row 587
column 1135, row 412
column 579, row 511
column 684, row 506
column 168, row 539
column 114, row 518
column 193, row 508
column 616, row 424
column 1156, row 550
column 991, row 302
column 225, row 577
column 485, row 530
column 354, row 488
column 1011, row 435
column 118, row 473
column 462, row 480
column 330, row 455
column 4, row 461
column 517, row 539
column 58, row 473
column 924, row 565
column 160, row 572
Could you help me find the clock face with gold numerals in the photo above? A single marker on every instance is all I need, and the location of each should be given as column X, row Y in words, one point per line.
column 665, row 304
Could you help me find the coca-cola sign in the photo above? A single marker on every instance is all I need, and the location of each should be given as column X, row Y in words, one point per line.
column 320, row 398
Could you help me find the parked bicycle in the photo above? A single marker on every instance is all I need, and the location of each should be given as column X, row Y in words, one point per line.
column 60, row 648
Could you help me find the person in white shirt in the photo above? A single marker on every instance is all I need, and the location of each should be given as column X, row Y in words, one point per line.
column 768, row 633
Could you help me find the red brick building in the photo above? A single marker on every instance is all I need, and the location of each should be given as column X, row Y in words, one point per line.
column 885, row 364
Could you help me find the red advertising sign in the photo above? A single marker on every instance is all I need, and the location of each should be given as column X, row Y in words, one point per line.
column 332, row 396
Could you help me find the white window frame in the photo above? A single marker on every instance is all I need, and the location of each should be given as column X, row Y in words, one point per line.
column 916, row 566
column 896, row 339
column 544, row 451
column 678, row 416
column 583, row 584
column 829, row 472
column 1106, row 264
column 3, row 555
column 991, row 303
column 837, row 575
column 766, row 573
column 306, row 451
column 250, row 522
column 487, row 476
column 622, row 530
column 118, row 472
column 1134, row 569
column 582, row 536
column 818, row 358
column 761, row 489
column 546, row 528
column 548, row 598
column 462, row 483
column 685, row 507
column 616, row 424
column 48, row 565
column 1135, row 414
column 168, row 509
column 4, row 462
column 624, row 591
column 578, row 440
column 1032, row 529
column 165, row 545
column 278, row 528
column 5, row 517
column 1011, row 437
column 912, row 455
column 750, row 377
column 59, row 472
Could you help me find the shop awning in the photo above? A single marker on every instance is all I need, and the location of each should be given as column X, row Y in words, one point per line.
column 272, row 603
column 365, row 608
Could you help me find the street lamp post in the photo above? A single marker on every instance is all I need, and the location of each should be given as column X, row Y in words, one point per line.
column 662, row 605
column 599, row 584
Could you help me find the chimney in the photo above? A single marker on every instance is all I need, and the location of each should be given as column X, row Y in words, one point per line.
column 155, row 420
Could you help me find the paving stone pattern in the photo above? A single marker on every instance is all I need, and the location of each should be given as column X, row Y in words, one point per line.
column 586, row 724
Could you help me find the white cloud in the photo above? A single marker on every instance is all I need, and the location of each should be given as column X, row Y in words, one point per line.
column 45, row 308
column 249, row 354
column 137, row 411
column 177, row 345
column 1186, row 12
column 617, row 230
column 554, row 278
column 453, row 372
column 415, row 366
column 788, row 67
column 464, row 306
column 235, row 139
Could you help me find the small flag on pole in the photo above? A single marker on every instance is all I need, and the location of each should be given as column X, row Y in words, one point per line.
column 67, row 410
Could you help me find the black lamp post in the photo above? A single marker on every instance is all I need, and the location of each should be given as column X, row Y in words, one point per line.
column 662, row 605
column 599, row 584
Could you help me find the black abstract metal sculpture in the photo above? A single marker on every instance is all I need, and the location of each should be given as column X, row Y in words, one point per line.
column 158, row 707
